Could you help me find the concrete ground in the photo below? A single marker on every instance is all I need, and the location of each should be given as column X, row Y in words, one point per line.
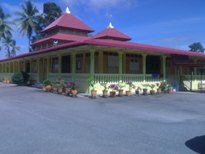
column 34, row 122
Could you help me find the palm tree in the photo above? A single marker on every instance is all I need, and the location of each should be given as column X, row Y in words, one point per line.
column 6, row 44
column 51, row 12
column 14, row 48
column 10, row 46
column 5, row 29
column 27, row 20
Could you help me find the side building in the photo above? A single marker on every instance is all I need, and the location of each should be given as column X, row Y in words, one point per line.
column 69, row 52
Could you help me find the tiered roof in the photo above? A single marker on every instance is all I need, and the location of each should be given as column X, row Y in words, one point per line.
column 67, row 20
column 112, row 33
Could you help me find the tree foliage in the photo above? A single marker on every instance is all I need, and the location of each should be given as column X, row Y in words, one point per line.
column 51, row 11
column 27, row 20
column 196, row 47
column 5, row 29
column 7, row 42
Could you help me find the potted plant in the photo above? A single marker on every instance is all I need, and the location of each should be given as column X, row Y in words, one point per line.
column 47, row 85
column 59, row 88
column 66, row 89
column 152, row 91
column 120, row 85
column 137, row 91
column 55, row 88
column 131, row 86
column 105, row 89
column 113, row 88
column 92, row 87
column 63, row 86
column 73, row 88
column 159, row 90
column 170, row 89
column 145, row 89
column 163, row 86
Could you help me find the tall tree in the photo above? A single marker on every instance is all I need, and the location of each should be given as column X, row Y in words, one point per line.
column 51, row 11
column 27, row 20
column 10, row 46
column 14, row 48
column 196, row 47
column 5, row 29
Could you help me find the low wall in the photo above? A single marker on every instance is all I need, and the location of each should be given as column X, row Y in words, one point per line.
column 6, row 76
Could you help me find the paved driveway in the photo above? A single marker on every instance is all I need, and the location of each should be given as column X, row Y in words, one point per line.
column 33, row 122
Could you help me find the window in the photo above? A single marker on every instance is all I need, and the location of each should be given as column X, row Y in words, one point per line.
column 153, row 65
column 112, row 62
column 54, row 65
column 65, row 64
column 133, row 64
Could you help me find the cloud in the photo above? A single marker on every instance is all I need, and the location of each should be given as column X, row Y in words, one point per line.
column 102, row 4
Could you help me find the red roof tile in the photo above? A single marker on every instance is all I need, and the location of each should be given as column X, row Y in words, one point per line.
column 68, row 21
column 112, row 33
column 137, row 47
column 141, row 47
column 63, row 37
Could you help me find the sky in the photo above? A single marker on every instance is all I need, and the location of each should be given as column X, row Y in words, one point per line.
column 168, row 23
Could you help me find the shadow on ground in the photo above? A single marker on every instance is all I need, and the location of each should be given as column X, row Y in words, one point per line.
column 197, row 144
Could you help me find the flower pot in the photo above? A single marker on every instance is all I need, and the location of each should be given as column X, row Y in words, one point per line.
column 73, row 92
column 159, row 91
column 112, row 94
column 152, row 92
column 54, row 90
column 48, row 88
column 137, row 92
column 128, row 93
column 66, row 91
column 145, row 92
column 170, row 91
column 105, row 93
column 60, row 90
column 44, row 88
column 93, row 93
column 120, row 92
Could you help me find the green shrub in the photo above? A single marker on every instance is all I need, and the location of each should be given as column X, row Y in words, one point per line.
column 47, row 82
column 26, row 77
column 20, row 78
column 17, row 78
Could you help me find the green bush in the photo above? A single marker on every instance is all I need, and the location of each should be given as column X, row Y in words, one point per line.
column 20, row 78
column 26, row 77
column 47, row 82
column 17, row 78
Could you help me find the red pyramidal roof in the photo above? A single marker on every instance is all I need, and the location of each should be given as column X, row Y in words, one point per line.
column 63, row 37
column 112, row 33
column 67, row 20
